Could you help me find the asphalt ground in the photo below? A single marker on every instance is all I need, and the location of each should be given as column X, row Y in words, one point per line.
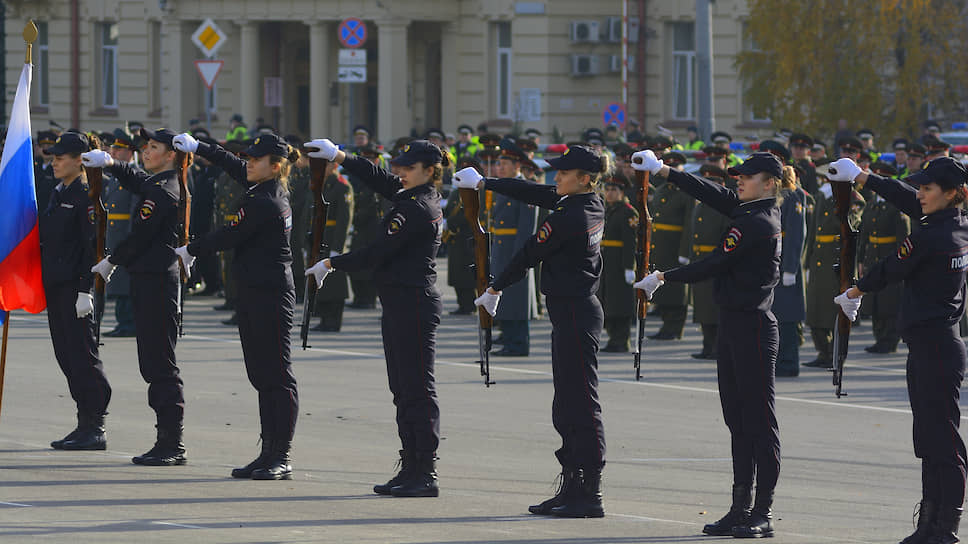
column 849, row 473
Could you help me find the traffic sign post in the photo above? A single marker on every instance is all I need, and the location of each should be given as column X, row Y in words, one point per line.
column 614, row 113
column 209, row 70
column 351, row 74
column 209, row 38
column 352, row 33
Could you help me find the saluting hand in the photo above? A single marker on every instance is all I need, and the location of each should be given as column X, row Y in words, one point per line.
column 789, row 279
column 489, row 301
column 104, row 268
column 84, row 305
column 850, row 306
column 96, row 159
column 468, row 178
column 187, row 259
column 326, row 149
column 844, row 169
column 185, row 143
column 319, row 271
column 649, row 284
column 646, row 161
column 629, row 276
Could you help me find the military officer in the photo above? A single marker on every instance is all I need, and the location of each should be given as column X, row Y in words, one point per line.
column 900, row 147
column 301, row 202
column 331, row 296
column 789, row 305
column 228, row 199
column 121, row 206
column 671, row 210
column 800, row 145
column 460, row 251
column 618, row 263
column 368, row 210
column 44, row 180
column 915, row 158
column 705, row 232
column 203, row 176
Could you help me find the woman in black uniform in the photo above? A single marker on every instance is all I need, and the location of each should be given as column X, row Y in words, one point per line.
column 403, row 259
column 149, row 255
column 931, row 262
column 567, row 244
column 67, row 254
column 262, row 264
column 746, row 268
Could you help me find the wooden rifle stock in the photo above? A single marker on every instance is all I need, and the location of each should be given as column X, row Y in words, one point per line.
column 317, row 174
column 183, row 162
column 470, row 199
column 643, row 246
column 95, row 184
column 845, row 267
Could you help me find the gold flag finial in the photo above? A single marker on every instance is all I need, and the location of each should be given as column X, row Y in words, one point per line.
column 30, row 36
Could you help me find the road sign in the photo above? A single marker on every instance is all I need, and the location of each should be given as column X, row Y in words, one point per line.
column 209, row 70
column 352, row 57
column 272, row 92
column 352, row 33
column 351, row 74
column 614, row 113
column 209, row 38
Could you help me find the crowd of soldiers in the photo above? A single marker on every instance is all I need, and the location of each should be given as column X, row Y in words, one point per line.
column 682, row 229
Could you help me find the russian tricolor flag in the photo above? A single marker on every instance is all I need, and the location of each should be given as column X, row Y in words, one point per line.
column 20, row 279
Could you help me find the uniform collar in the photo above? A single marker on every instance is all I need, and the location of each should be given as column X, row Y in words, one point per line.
column 425, row 188
column 754, row 205
column 941, row 216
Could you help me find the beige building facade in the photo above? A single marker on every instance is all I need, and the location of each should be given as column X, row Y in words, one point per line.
column 552, row 64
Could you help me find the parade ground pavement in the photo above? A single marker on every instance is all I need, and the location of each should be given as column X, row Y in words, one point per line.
column 849, row 474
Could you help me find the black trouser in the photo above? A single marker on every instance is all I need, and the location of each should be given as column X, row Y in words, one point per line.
column 409, row 323
column 330, row 313
column 823, row 342
column 124, row 314
column 363, row 290
column 576, row 412
column 155, row 301
column 673, row 319
column 465, row 298
column 265, row 322
column 710, row 334
column 76, row 350
column 748, row 343
column 788, row 355
column 618, row 331
column 935, row 369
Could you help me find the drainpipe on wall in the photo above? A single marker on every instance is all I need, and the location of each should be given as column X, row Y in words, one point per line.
column 75, row 64
column 640, row 64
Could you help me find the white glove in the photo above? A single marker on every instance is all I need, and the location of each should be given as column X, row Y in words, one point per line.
column 843, row 170
column 683, row 261
column 96, row 159
column 789, row 279
column 489, row 302
column 104, row 268
column 848, row 305
column 333, row 253
column 319, row 271
column 84, row 305
column 187, row 259
column 468, row 178
column 806, row 276
column 649, row 284
column 630, row 277
column 646, row 161
column 185, row 142
column 326, row 149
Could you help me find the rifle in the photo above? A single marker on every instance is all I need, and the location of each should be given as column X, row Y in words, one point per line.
column 317, row 173
column 845, row 267
column 182, row 162
column 643, row 247
column 95, row 183
column 471, row 201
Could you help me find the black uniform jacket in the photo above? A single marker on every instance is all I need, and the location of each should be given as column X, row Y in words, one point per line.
column 404, row 251
column 150, row 248
column 567, row 242
column 746, row 264
column 932, row 261
column 67, row 237
column 260, row 235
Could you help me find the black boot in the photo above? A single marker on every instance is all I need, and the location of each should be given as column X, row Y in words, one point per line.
column 59, row 444
column 585, row 499
column 259, row 462
column 567, row 479
column 169, row 449
column 406, row 464
column 423, row 478
column 89, row 435
column 738, row 513
column 278, row 464
column 946, row 526
column 760, row 522
column 926, row 512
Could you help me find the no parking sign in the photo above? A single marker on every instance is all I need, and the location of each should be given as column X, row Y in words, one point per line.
column 614, row 113
column 352, row 33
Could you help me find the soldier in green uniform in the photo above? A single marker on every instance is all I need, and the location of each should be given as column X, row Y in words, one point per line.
column 618, row 264
column 800, row 145
column 301, row 203
column 368, row 210
column 900, row 146
column 823, row 243
column 883, row 228
column 228, row 200
column 789, row 304
column 460, row 246
column 331, row 297
column 705, row 234
column 671, row 210
column 120, row 205
column 44, row 180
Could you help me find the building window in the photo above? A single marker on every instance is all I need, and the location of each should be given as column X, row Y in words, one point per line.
column 154, row 64
column 752, row 113
column 503, row 30
column 108, row 45
column 684, row 71
column 43, row 67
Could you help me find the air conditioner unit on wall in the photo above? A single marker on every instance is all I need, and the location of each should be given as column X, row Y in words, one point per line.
column 584, row 65
column 615, row 63
column 585, row 32
column 614, row 34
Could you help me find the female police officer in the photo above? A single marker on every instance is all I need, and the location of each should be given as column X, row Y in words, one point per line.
column 931, row 262
column 149, row 255
column 746, row 270
column 67, row 254
column 403, row 259
column 567, row 244
column 266, row 293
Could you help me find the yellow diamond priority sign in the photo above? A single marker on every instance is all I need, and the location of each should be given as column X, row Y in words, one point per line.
column 209, row 38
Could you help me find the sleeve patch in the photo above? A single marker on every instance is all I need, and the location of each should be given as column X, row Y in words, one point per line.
column 238, row 218
column 91, row 216
column 544, row 233
column 905, row 249
column 147, row 208
column 287, row 220
column 396, row 224
column 732, row 239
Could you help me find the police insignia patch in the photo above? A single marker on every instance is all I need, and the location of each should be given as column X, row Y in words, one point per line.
column 732, row 239
column 90, row 214
column 238, row 217
column 395, row 224
column 544, row 233
column 904, row 250
column 147, row 208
